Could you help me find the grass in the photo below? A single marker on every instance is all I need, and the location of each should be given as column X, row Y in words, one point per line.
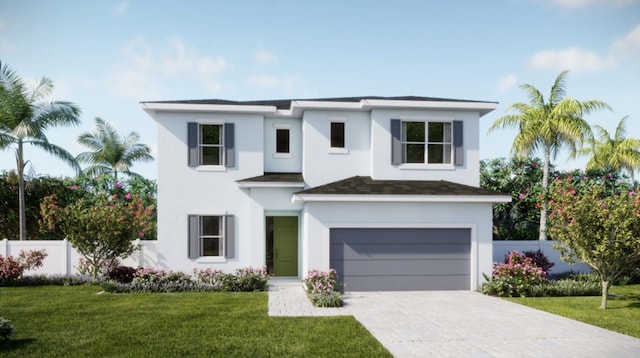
column 623, row 314
column 55, row 321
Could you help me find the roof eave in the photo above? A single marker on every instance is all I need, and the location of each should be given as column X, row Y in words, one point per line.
column 493, row 199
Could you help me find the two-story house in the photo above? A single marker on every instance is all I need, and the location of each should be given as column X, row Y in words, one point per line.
column 383, row 189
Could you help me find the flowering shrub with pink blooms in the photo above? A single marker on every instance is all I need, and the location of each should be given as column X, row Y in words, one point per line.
column 12, row 268
column 514, row 277
column 322, row 287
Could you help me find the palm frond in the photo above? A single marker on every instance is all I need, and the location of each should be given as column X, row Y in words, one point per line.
column 58, row 152
column 621, row 129
column 558, row 91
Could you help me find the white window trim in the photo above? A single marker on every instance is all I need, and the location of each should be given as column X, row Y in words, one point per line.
column 338, row 150
column 222, row 238
column 212, row 168
column 425, row 165
column 281, row 125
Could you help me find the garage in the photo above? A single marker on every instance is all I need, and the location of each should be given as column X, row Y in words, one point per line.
column 402, row 259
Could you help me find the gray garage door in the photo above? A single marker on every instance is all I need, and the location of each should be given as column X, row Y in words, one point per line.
column 369, row 259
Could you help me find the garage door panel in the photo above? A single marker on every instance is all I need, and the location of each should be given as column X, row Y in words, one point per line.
column 392, row 251
column 399, row 236
column 402, row 258
column 408, row 283
column 405, row 267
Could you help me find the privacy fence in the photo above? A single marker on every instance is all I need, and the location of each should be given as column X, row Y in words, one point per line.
column 62, row 258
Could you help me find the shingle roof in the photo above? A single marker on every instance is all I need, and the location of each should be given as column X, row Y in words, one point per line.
column 286, row 103
column 364, row 185
column 276, row 178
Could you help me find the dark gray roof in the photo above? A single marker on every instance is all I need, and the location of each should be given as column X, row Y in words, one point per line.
column 286, row 103
column 361, row 185
column 276, row 177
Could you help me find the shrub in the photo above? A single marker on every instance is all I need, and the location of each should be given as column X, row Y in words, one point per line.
column 540, row 259
column 514, row 277
column 323, row 288
column 249, row 279
column 6, row 330
column 122, row 274
column 327, row 299
column 11, row 268
column 565, row 287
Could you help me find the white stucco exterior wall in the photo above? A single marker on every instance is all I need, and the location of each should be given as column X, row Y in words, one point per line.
column 381, row 167
column 280, row 162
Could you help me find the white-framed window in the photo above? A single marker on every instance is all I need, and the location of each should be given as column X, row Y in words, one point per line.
column 211, row 144
column 337, row 134
column 283, row 141
column 211, row 236
column 426, row 142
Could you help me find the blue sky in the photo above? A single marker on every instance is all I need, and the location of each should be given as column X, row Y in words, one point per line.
column 107, row 56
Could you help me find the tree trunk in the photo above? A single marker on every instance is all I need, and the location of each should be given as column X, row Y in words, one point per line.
column 545, row 184
column 21, row 199
column 605, row 294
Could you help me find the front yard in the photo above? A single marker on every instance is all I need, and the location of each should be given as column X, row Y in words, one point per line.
column 56, row 321
column 623, row 314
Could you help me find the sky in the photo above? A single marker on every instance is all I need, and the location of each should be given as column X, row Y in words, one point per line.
column 107, row 56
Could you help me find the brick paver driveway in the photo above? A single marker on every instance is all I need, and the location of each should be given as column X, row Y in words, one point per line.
column 461, row 324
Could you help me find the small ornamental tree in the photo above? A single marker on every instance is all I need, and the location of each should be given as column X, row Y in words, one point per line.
column 101, row 229
column 597, row 226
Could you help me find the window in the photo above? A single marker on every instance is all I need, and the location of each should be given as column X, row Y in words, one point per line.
column 282, row 141
column 426, row 142
column 211, row 144
column 210, row 236
column 337, row 134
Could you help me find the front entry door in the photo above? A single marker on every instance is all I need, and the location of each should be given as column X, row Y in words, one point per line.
column 285, row 246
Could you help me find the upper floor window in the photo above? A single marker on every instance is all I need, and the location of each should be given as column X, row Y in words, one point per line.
column 211, row 144
column 337, row 134
column 283, row 144
column 426, row 142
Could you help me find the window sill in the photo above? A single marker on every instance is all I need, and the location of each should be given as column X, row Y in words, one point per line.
column 282, row 156
column 338, row 151
column 427, row 167
column 211, row 168
column 211, row 259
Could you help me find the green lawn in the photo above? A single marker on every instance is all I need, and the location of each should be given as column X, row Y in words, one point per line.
column 623, row 314
column 59, row 321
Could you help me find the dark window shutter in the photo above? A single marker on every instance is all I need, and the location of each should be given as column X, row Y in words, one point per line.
column 396, row 144
column 229, row 145
column 458, row 149
column 229, row 236
column 194, row 236
column 192, row 143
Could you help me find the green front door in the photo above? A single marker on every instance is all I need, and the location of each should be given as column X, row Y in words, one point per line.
column 285, row 245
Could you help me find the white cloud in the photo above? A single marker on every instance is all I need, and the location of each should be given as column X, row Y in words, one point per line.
column 264, row 81
column 629, row 45
column 121, row 8
column 573, row 59
column 144, row 69
column 577, row 4
column 265, row 57
column 506, row 83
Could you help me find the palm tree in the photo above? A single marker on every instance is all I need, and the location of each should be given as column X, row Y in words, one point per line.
column 111, row 153
column 616, row 154
column 548, row 126
column 24, row 118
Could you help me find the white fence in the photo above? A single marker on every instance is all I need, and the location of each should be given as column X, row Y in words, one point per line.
column 62, row 258
column 502, row 248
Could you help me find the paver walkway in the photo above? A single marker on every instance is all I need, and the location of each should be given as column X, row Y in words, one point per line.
column 459, row 324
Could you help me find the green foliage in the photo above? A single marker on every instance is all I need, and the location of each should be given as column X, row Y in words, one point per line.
column 624, row 317
column 12, row 268
column 76, row 322
column 522, row 179
column 112, row 153
column 565, row 287
column 6, row 329
column 598, row 225
column 327, row 299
